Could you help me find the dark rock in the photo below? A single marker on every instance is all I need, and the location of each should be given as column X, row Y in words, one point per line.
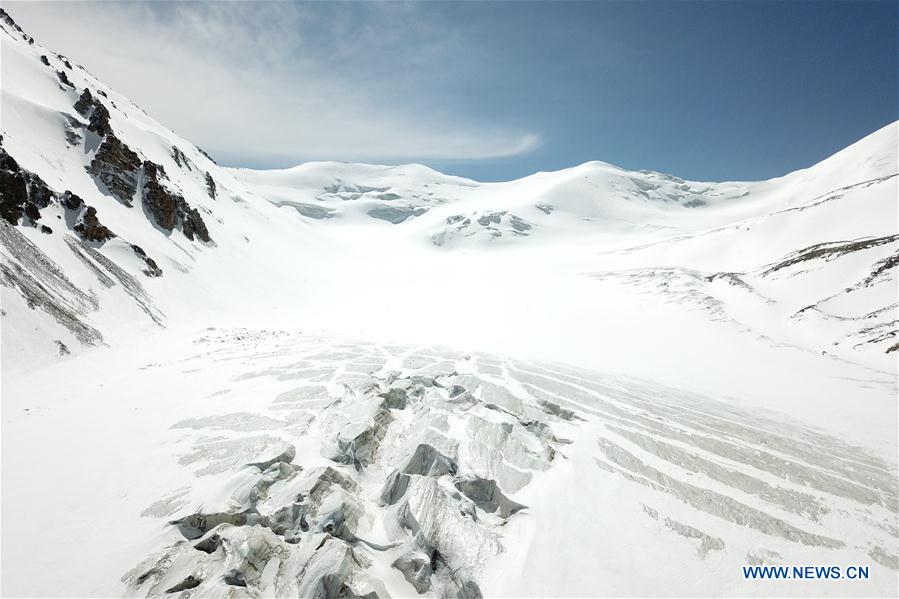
column 90, row 228
column 116, row 166
column 22, row 193
column 152, row 269
column 70, row 201
column 46, row 230
column 64, row 79
column 72, row 126
column 9, row 21
column 92, row 109
column 32, row 212
column 85, row 102
column 881, row 267
column 61, row 348
column 201, row 151
column 45, row 60
column 210, row 185
column 167, row 208
column 830, row 250
column 192, row 223
column 180, row 159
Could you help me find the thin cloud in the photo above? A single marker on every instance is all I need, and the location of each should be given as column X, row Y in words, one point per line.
column 287, row 82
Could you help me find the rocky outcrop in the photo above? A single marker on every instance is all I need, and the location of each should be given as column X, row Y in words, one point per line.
column 151, row 270
column 169, row 209
column 64, row 79
column 90, row 228
column 95, row 112
column 829, row 251
column 210, row 185
column 119, row 169
column 158, row 202
column 84, row 217
column 203, row 152
column 22, row 193
column 116, row 166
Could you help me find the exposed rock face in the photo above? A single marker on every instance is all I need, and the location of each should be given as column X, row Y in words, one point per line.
column 180, row 158
column 169, row 209
column 90, row 228
column 22, row 193
column 829, row 251
column 84, row 217
column 92, row 109
column 64, row 79
column 203, row 152
column 119, row 168
column 158, row 202
column 152, row 269
column 210, row 185
column 116, row 166
column 45, row 60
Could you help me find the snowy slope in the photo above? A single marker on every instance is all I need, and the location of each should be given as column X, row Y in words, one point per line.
column 342, row 379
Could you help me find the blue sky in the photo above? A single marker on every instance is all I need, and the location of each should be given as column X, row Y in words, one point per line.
column 494, row 91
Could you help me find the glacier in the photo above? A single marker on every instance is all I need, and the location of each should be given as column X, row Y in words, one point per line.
column 351, row 380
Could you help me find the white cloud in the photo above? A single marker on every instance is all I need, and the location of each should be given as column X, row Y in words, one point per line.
column 287, row 82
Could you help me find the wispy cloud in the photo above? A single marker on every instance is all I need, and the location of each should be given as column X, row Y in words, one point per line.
column 281, row 82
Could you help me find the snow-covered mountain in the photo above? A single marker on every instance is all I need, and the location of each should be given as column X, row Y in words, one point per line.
column 346, row 380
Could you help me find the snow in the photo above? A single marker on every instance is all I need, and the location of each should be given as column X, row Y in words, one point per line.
column 659, row 310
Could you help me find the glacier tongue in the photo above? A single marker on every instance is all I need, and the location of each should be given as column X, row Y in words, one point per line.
column 377, row 471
